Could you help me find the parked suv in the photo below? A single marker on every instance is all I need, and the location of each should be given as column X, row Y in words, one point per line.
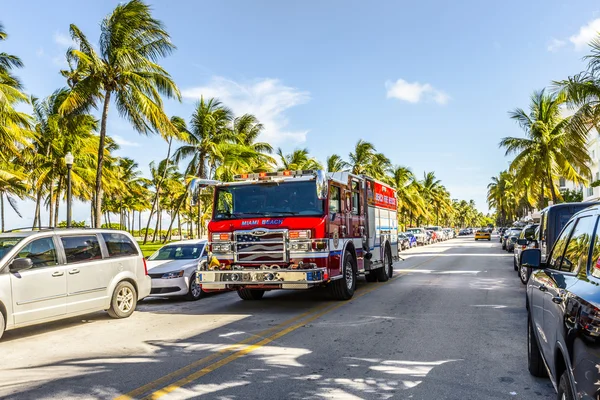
column 563, row 300
column 53, row 274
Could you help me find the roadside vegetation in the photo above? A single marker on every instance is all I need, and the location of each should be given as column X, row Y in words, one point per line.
column 556, row 127
column 120, row 72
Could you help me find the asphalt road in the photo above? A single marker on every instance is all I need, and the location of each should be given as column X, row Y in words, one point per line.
column 450, row 325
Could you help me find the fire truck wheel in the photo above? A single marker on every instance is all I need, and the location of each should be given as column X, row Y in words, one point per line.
column 250, row 294
column 384, row 273
column 343, row 289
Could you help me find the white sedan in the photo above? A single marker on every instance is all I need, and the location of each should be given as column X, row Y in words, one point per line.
column 173, row 269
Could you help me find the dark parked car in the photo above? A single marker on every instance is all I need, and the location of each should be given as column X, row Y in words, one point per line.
column 553, row 219
column 463, row 232
column 563, row 307
column 511, row 239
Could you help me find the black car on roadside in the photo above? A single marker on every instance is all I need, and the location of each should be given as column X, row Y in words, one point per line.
column 403, row 242
column 563, row 308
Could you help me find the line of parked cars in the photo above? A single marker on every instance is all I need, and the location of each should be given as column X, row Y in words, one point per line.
column 430, row 234
column 558, row 259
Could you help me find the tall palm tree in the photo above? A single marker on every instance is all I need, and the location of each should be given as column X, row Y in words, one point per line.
column 246, row 130
column 408, row 194
column 124, row 70
column 335, row 163
column 554, row 146
column 56, row 136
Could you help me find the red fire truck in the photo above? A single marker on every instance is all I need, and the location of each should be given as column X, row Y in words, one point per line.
column 299, row 230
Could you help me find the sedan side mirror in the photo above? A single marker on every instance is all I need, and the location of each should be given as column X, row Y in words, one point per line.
column 532, row 258
column 522, row 242
column 20, row 264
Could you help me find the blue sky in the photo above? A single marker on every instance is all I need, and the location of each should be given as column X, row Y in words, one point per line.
column 429, row 82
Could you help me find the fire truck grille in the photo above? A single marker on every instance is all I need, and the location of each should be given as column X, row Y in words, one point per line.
column 260, row 247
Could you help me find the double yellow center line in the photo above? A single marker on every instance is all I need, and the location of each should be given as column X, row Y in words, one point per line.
column 209, row 364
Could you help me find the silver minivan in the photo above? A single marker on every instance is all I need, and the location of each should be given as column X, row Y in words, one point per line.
column 53, row 274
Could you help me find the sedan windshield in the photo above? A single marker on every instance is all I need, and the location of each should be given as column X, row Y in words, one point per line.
column 178, row 252
column 7, row 243
column 268, row 200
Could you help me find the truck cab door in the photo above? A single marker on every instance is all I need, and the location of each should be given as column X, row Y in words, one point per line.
column 337, row 219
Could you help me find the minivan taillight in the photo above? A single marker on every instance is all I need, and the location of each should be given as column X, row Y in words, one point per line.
column 145, row 267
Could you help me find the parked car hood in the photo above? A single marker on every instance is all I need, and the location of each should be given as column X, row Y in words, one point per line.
column 164, row 266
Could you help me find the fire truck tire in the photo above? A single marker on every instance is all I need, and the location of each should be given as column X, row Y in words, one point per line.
column 250, row 294
column 385, row 273
column 343, row 289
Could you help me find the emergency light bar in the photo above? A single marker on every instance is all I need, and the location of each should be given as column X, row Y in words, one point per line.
column 269, row 175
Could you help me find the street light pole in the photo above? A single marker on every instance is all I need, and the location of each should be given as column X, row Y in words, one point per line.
column 69, row 161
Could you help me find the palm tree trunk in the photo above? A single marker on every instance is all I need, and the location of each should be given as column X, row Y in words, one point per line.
column 156, row 225
column 2, row 210
column 158, row 185
column 98, row 188
column 57, row 204
column 109, row 223
column 179, row 225
column 140, row 222
column 199, row 219
column 551, row 185
column 176, row 213
column 36, row 213
column 51, row 204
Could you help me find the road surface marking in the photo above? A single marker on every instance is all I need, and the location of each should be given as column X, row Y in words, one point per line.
column 312, row 315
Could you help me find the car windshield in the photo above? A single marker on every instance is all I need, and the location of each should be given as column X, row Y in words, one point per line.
column 268, row 200
column 178, row 252
column 7, row 243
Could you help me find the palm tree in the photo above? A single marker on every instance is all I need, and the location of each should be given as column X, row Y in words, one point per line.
column 366, row 161
column 56, row 135
column 298, row 160
column 407, row 192
column 123, row 70
column 207, row 129
column 554, row 146
column 583, row 90
column 14, row 125
column 335, row 163
column 12, row 183
column 246, row 130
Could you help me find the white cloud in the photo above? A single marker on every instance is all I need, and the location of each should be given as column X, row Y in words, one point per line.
column 415, row 92
column 586, row 34
column 556, row 44
column 121, row 141
column 63, row 40
column 268, row 99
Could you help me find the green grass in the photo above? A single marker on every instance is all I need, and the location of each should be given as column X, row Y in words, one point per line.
column 149, row 248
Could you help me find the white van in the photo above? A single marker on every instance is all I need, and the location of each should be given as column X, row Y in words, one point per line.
column 53, row 274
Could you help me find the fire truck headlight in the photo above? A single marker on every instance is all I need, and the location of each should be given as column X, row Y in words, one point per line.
column 221, row 247
column 300, row 246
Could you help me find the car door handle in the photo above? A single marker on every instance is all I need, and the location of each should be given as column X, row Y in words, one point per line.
column 73, row 271
column 557, row 299
column 58, row 273
column 543, row 288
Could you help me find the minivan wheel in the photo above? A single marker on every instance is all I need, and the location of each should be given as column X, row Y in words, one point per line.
column 534, row 357
column 564, row 388
column 124, row 300
column 2, row 325
column 195, row 290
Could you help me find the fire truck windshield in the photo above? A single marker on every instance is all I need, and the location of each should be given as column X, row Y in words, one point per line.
column 268, row 199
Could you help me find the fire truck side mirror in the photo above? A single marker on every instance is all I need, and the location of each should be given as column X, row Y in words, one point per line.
column 321, row 179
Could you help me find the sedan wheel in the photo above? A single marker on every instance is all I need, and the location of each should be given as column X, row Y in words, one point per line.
column 195, row 289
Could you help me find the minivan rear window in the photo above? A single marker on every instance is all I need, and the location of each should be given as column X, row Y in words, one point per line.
column 81, row 248
column 119, row 245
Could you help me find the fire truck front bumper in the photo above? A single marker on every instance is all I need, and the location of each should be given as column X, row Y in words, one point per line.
column 280, row 278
